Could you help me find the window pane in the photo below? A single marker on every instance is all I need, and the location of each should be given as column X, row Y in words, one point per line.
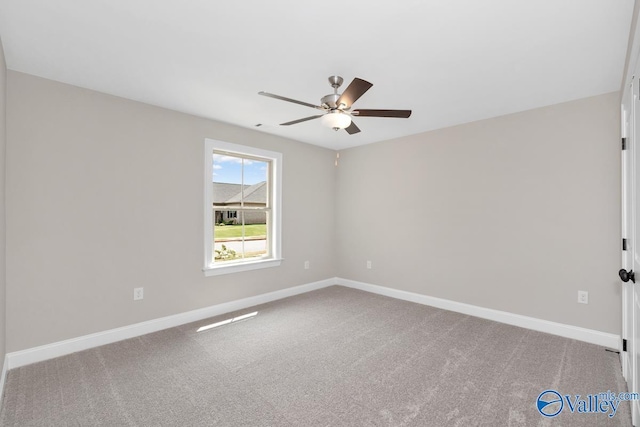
column 255, row 234
column 243, row 237
column 238, row 170
column 227, row 169
column 255, row 171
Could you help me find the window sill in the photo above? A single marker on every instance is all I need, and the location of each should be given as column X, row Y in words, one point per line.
column 236, row 268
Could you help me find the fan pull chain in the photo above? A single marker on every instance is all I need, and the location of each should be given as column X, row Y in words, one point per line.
column 337, row 158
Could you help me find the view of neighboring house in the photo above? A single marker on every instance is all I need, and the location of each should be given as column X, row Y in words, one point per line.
column 231, row 195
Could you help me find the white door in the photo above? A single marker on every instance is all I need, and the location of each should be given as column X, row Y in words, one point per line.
column 631, row 232
column 627, row 288
column 634, row 124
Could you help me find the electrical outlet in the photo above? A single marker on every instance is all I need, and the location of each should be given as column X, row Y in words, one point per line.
column 138, row 293
column 369, row 265
column 306, row 265
column 583, row 297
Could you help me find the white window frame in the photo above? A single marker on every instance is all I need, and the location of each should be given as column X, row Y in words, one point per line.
column 275, row 182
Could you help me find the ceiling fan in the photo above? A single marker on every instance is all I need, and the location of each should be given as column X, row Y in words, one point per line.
column 336, row 107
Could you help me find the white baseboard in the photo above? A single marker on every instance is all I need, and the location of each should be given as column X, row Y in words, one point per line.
column 574, row 332
column 61, row 348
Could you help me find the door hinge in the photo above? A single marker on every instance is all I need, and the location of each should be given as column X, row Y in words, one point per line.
column 624, row 144
column 624, row 345
column 624, row 244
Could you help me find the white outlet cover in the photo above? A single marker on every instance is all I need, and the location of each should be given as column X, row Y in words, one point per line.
column 583, row 297
column 138, row 293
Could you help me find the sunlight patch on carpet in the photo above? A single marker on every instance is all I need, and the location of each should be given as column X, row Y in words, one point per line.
column 227, row 322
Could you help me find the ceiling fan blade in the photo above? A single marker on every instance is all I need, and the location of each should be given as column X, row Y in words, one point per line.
column 301, row 120
column 403, row 114
column 355, row 90
column 282, row 98
column 352, row 128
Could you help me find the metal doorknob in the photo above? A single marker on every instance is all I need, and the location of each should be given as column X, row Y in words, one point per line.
column 625, row 275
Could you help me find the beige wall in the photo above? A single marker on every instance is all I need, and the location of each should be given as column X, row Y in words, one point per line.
column 105, row 194
column 3, row 145
column 515, row 213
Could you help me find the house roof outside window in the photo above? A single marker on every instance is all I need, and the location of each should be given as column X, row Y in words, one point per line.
column 231, row 194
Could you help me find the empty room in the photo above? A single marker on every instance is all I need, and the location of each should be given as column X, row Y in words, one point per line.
column 283, row 213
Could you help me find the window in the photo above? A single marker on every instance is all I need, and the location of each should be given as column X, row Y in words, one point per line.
column 242, row 208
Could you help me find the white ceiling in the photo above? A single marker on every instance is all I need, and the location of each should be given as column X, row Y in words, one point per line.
column 450, row 61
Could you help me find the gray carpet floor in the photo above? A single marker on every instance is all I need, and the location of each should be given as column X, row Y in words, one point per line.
column 332, row 357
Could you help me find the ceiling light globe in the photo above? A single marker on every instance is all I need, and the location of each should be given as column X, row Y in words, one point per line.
column 336, row 120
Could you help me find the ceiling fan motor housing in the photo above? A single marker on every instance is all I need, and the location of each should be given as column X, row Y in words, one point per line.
column 330, row 100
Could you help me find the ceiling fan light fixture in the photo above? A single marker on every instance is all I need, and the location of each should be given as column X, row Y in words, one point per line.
column 336, row 120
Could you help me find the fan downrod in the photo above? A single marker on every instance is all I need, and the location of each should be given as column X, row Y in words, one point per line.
column 329, row 101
